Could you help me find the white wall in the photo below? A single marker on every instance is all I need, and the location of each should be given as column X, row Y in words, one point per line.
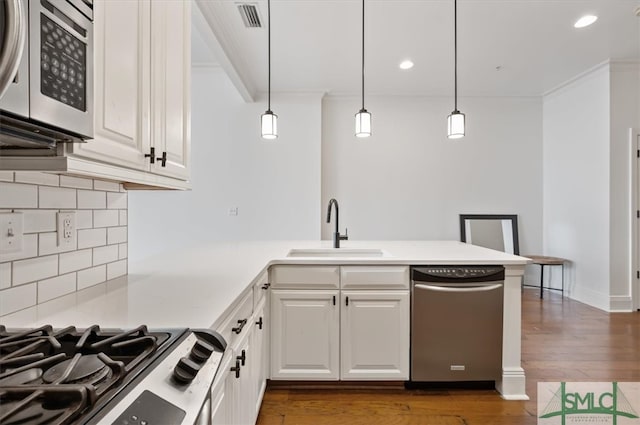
column 274, row 184
column 408, row 181
column 576, row 183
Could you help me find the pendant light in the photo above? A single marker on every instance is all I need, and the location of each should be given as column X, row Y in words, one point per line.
column 269, row 120
column 455, row 121
column 363, row 117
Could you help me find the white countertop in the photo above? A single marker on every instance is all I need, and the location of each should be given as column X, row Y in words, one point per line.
column 194, row 288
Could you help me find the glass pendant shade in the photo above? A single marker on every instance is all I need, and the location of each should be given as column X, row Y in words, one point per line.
column 269, row 125
column 363, row 123
column 455, row 125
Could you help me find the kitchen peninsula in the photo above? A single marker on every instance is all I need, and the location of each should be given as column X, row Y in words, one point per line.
column 220, row 285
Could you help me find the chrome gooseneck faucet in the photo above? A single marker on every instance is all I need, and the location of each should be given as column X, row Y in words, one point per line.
column 336, row 234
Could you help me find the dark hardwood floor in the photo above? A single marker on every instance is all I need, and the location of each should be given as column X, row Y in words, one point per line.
column 563, row 340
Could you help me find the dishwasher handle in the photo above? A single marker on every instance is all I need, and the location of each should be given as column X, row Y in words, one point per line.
column 479, row 288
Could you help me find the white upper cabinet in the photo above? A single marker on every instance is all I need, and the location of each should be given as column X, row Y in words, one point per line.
column 142, row 89
column 121, row 70
column 171, row 86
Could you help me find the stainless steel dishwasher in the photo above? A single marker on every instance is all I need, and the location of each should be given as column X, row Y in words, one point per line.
column 456, row 323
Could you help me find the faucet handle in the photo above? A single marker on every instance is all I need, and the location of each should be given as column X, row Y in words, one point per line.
column 345, row 237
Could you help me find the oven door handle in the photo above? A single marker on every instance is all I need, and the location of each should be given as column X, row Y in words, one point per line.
column 16, row 32
column 479, row 288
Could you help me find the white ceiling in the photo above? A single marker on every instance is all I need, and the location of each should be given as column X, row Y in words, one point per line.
column 505, row 47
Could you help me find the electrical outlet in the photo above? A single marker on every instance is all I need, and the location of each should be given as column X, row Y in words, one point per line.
column 11, row 228
column 66, row 228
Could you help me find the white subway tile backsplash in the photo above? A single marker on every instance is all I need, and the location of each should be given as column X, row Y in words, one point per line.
column 29, row 249
column 117, row 269
column 76, row 182
column 36, row 221
column 107, row 186
column 116, row 235
column 123, row 217
column 92, row 276
column 123, row 249
column 117, row 200
column 37, row 178
column 5, row 275
column 15, row 195
column 17, row 298
column 89, row 238
column 76, row 260
column 105, row 254
column 34, row 269
column 44, row 271
column 84, row 219
column 88, row 199
column 105, row 218
column 55, row 287
column 48, row 244
column 56, row 197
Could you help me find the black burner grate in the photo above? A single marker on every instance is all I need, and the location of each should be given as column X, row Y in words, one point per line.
column 56, row 377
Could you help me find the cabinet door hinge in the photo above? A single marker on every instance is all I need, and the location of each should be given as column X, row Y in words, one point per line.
column 638, row 153
column 638, row 213
column 638, row 274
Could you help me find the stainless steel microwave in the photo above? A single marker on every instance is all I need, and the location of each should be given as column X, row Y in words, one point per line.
column 46, row 74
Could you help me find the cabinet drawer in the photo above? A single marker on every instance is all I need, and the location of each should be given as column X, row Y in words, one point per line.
column 374, row 277
column 305, row 277
column 241, row 314
column 260, row 289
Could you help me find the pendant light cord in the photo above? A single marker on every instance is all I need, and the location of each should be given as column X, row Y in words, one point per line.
column 269, row 54
column 455, row 54
column 362, row 54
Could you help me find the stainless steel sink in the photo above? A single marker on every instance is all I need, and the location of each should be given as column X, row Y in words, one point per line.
column 338, row 252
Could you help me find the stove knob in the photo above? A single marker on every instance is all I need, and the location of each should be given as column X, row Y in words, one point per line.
column 186, row 370
column 201, row 351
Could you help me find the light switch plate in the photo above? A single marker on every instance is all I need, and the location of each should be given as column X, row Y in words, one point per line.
column 66, row 228
column 11, row 228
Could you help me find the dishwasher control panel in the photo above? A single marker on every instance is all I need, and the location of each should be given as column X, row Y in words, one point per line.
column 457, row 273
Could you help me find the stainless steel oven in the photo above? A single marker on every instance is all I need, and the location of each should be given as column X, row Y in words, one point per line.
column 46, row 64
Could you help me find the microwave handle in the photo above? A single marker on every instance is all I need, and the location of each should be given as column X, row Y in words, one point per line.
column 16, row 34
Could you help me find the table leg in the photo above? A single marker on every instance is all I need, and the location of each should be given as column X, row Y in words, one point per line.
column 541, row 278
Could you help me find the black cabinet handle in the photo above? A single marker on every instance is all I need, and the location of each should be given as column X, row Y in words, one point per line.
column 238, row 328
column 236, row 369
column 163, row 159
column 347, row 300
column 266, row 286
column 151, row 155
column 259, row 323
column 334, row 300
column 242, row 358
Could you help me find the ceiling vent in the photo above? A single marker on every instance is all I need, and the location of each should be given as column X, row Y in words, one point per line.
column 250, row 15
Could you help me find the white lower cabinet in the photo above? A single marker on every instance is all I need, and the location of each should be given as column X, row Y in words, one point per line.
column 362, row 336
column 260, row 354
column 374, row 335
column 237, row 395
column 305, row 340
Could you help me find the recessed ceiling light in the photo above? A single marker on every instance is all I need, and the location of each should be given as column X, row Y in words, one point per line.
column 585, row 21
column 406, row 64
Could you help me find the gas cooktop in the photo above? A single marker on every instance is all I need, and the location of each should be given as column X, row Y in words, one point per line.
column 67, row 376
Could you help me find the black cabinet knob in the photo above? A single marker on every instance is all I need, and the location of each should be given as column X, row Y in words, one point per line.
column 243, row 357
column 151, row 155
column 186, row 370
column 259, row 323
column 201, row 351
column 163, row 159
column 236, row 369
